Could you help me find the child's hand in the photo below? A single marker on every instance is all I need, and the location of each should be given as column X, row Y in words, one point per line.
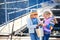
column 51, row 27
column 40, row 24
column 37, row 25
column 44, row 25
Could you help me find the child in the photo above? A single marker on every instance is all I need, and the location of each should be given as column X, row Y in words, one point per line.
column 32, row 23
column 48, row 24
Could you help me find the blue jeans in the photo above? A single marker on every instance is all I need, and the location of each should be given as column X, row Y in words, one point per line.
column 46, row 36
column 34, row 36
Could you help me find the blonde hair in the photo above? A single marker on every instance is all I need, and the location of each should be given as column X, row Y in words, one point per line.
column 33, row 13
column 48, row 12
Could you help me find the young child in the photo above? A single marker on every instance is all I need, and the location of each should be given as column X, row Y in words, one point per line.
column 48, row 24
column 32, row 23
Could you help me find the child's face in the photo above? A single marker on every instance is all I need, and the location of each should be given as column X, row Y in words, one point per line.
column 34, row 16
column 46, row 16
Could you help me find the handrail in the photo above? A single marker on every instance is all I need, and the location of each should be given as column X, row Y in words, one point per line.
column 12, row 2
column 20, row 10
column 23, row 9
column 13, row 20
column 19, row 30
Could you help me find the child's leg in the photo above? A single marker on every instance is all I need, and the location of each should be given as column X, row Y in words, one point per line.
column 46, row 36
column 37, row 38
column 32, row 35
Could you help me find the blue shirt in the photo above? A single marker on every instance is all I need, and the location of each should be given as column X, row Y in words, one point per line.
column 34, row 21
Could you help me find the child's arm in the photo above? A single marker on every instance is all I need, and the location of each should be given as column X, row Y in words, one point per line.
column 51, row 27
column 55, row 20
column 52, row 24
